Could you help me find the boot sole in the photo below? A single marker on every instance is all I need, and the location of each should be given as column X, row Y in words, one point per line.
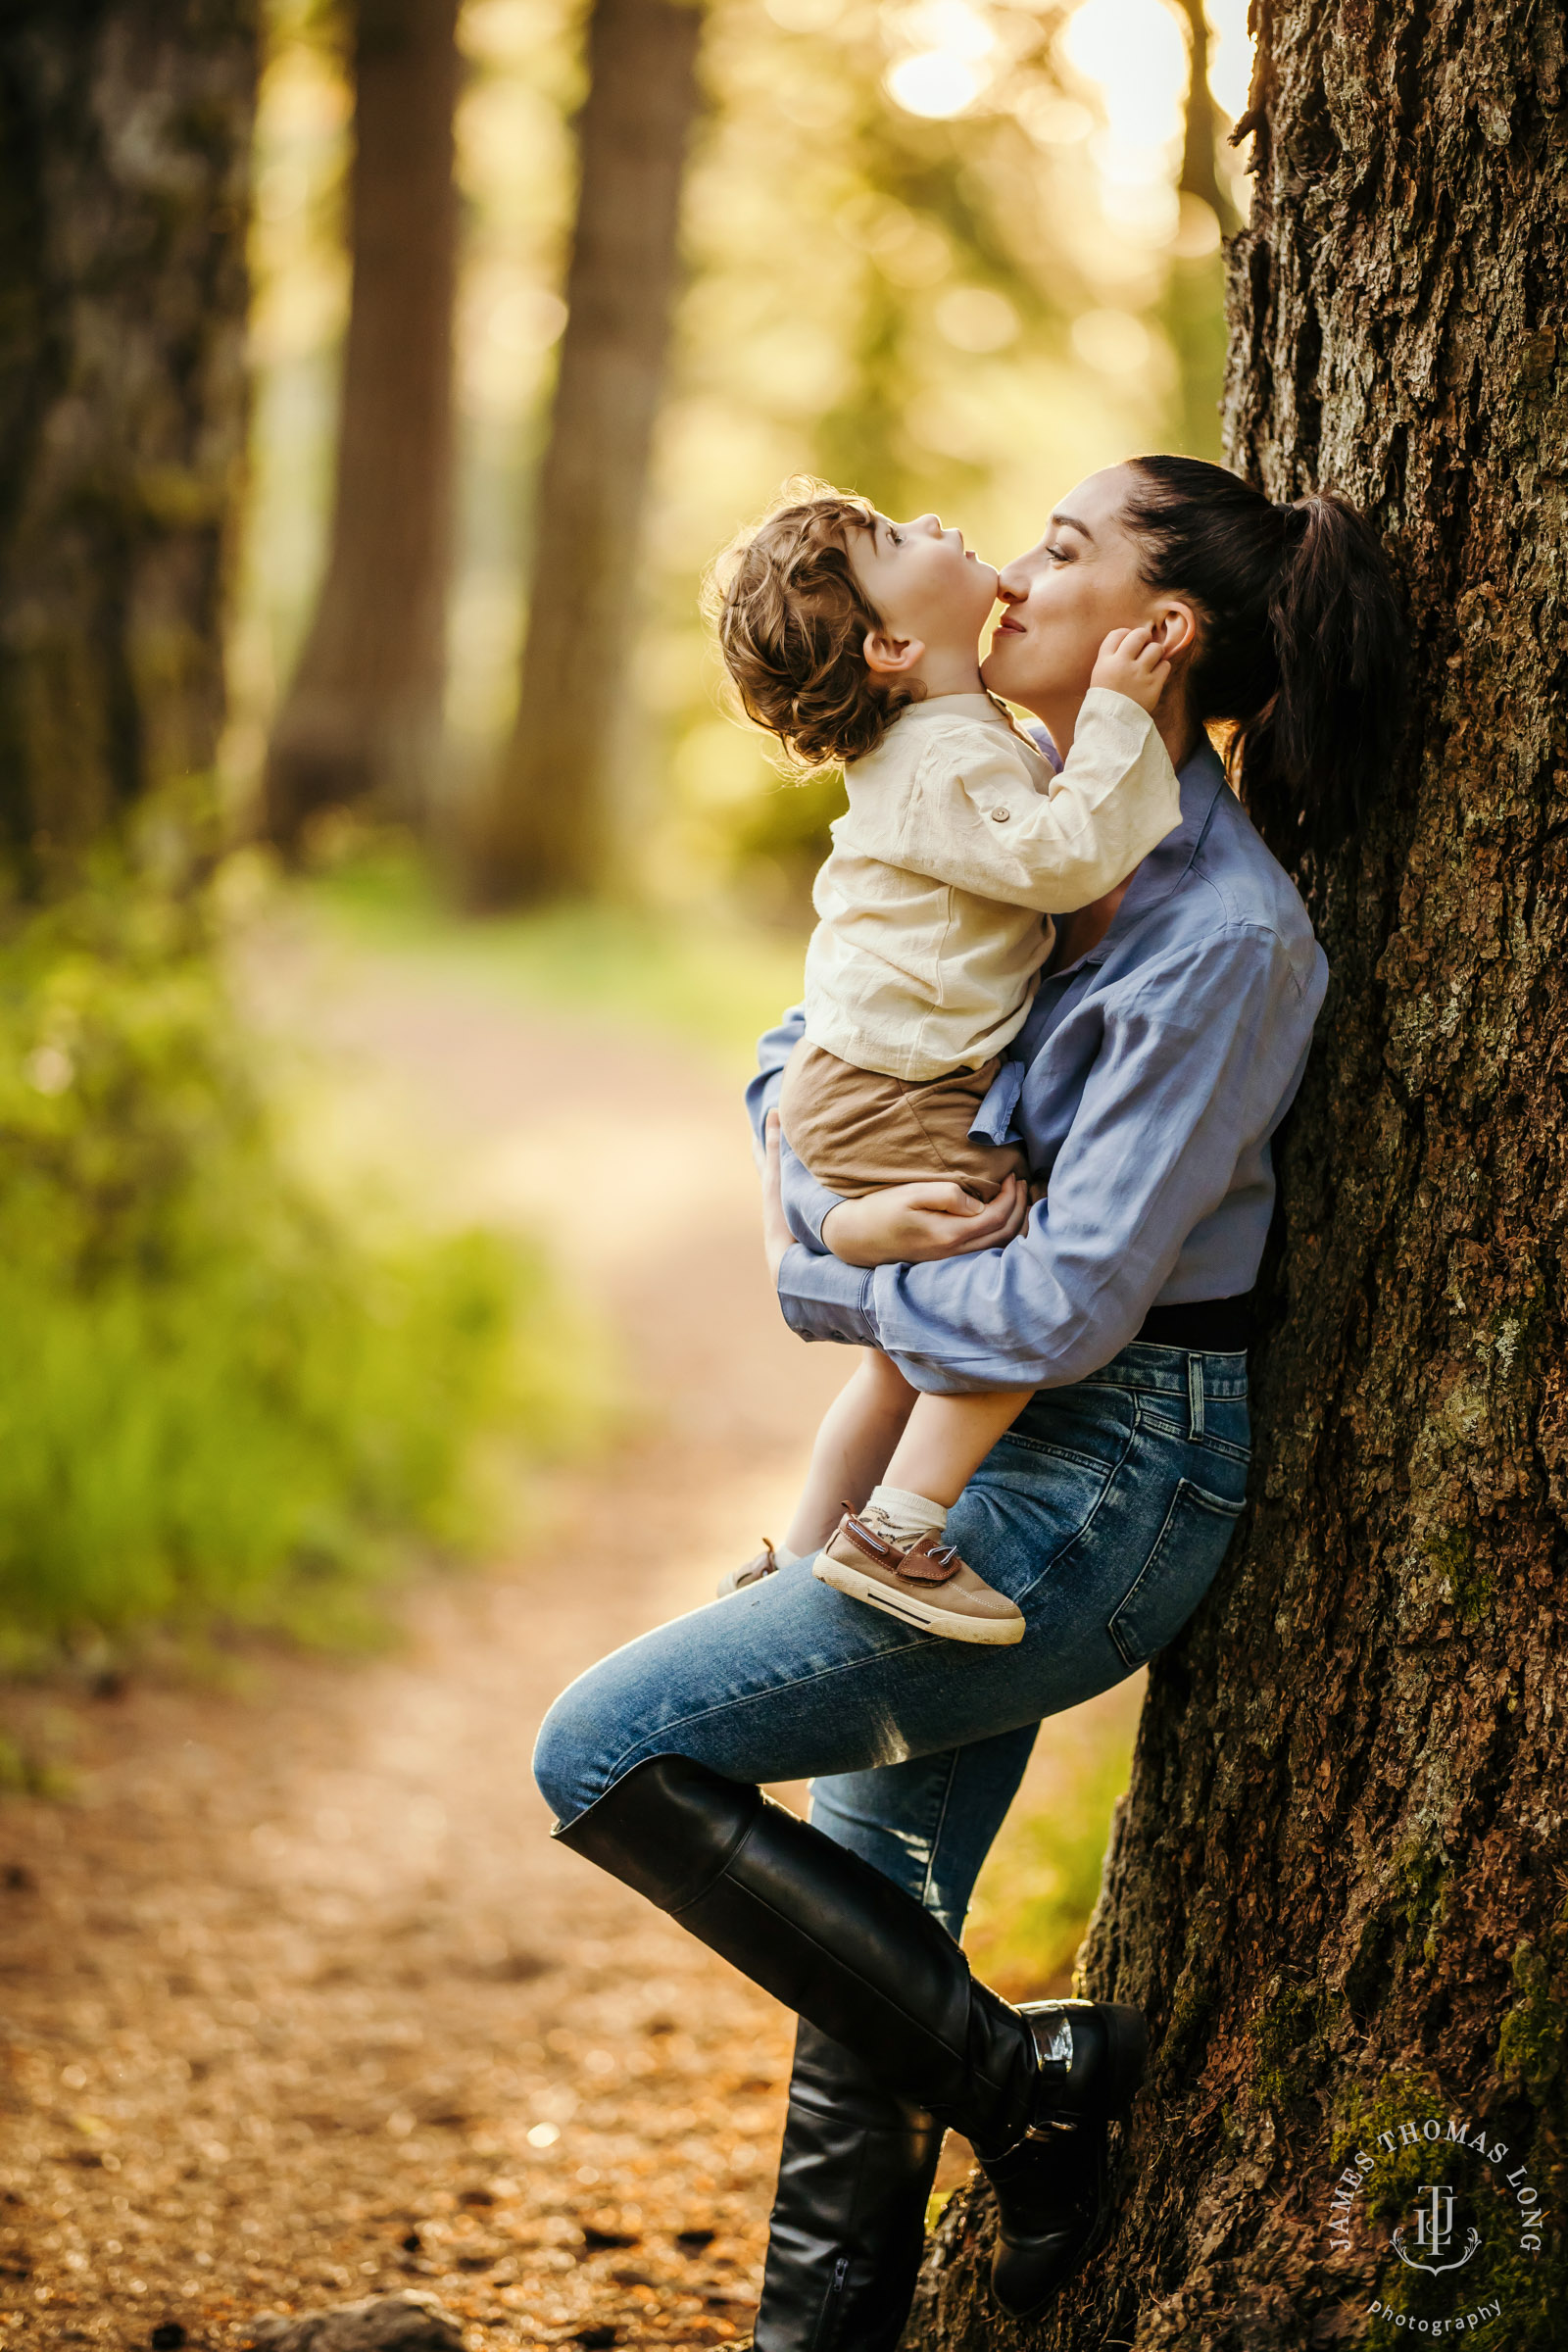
column 995, row 1633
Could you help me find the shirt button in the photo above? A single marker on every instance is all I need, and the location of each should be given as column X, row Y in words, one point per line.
column 1000, row 816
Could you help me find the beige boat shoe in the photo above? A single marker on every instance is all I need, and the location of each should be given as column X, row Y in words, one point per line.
column 764, row 1564
column 926, row 1585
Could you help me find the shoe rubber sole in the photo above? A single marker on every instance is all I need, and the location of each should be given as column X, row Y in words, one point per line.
column 927, row 1616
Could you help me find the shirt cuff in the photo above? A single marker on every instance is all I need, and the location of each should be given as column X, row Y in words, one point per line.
column 806, row 1201
column 823, row 1299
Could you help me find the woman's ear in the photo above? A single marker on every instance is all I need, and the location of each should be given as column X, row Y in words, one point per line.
column 1175, row 626
column 891, row 657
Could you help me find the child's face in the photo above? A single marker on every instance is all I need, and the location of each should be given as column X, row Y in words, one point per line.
column 923, row 582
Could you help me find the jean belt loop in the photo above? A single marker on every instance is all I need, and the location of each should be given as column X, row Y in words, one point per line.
column 1195, row 1391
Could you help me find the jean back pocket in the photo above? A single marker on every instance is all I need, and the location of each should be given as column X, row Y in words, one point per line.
column 1177, row 1573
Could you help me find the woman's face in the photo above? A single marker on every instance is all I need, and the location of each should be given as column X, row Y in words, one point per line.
column 1067, row 595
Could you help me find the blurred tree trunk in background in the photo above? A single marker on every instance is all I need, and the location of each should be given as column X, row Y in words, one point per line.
column 1195, row 304
column 549, row 834
column 1337, row 1884
column 124, row 157
column 361, row 720
column 1201, row 124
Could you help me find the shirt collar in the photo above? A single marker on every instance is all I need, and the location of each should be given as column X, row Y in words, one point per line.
column 956, row 705
column 1201, row 780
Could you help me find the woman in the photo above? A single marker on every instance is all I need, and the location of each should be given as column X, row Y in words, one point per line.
column 1165, row 1044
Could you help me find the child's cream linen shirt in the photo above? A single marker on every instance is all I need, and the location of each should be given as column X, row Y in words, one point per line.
column 956, row 840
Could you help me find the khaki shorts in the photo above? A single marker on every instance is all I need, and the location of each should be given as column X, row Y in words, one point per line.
column 857, row 1130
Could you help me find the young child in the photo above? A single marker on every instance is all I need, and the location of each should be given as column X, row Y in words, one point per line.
column 857, row 640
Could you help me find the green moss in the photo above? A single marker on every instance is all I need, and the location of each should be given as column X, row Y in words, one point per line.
column 1196, row 1999
column 1534, row 2035
column 1533, row 2286
column 1360, row 2113
column 1472, row 1587
column 1287, row 2040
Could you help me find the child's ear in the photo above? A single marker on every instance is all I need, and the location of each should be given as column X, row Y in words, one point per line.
column 891, row 657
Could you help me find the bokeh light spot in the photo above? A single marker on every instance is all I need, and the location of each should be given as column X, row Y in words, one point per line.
column 1113, row 342
column 935, row 83
column 976, row 319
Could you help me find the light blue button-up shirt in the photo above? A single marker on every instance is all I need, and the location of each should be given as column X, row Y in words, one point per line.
column 1145, row 1086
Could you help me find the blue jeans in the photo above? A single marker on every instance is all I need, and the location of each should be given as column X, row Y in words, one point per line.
column 1104, row 1513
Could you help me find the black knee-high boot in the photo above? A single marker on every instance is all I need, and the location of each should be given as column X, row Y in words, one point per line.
column 847, row 2224
column 864, row 1962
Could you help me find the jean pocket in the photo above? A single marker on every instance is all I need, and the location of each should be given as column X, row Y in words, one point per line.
column 1177, row 1573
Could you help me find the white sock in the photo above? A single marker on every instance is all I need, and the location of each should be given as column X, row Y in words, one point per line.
column 906, row 1516
column 787, row 1558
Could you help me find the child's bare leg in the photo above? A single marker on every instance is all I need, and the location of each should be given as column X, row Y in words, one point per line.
column 946, row 1438
column 859, row 1433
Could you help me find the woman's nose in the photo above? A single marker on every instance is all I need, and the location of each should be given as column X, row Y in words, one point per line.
column 1013, row 585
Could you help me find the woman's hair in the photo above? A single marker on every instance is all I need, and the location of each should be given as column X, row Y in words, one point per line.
column 1301, row 642
column 792, row 620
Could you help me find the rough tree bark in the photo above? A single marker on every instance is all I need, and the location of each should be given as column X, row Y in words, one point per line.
column 1337, row 1884
column 549, row 834
column 125, row 158
column 362, row 716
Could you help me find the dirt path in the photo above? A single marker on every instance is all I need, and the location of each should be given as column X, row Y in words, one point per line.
column 301, row 2003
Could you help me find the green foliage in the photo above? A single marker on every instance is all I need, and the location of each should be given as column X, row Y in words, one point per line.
column 220, row 1397
column 1043, row 1878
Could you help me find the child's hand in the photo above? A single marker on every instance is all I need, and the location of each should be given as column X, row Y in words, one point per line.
column 1132, row 663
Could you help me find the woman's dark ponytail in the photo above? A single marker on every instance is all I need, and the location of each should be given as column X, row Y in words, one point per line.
column 1302, row 641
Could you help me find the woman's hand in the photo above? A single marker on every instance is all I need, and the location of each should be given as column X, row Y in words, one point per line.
column 906, row 1224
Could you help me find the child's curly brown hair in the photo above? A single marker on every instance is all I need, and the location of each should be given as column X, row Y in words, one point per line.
column 792, row 620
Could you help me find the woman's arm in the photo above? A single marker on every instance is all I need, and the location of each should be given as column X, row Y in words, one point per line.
column 913, row 1223
column 1196, row 1064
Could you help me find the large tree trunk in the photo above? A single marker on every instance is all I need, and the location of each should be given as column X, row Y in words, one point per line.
column 124, row 155
column 549, row 836
column 1337, row 1882
column 362, row 716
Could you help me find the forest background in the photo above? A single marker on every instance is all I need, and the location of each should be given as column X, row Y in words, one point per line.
column 950, row 255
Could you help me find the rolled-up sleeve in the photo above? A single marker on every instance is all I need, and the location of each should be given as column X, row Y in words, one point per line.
column 773, row 1050
column 1196, row 1064
column 806, row 1201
